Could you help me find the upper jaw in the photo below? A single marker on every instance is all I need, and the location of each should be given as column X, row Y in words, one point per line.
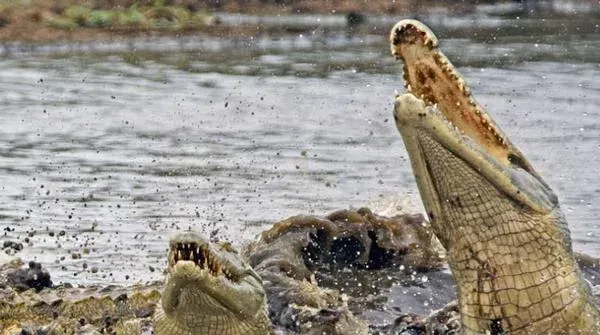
column 192, row 249
column 214, row 270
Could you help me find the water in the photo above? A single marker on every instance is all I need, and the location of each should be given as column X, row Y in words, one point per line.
column 108, row 149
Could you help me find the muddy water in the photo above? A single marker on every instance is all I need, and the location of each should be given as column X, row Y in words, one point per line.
column 107, row 149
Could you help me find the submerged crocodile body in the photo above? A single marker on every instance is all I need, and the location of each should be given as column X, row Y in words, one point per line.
column 289, row 255
column 83, row 310
column 506, row 238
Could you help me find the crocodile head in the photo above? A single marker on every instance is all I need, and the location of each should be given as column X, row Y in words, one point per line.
column 507, row 241
column 209, row 286
column 438, row 110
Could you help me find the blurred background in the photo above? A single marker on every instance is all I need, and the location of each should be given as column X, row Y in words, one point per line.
column 126, row 121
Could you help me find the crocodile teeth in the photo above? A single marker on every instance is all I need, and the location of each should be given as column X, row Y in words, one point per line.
column 464, row 88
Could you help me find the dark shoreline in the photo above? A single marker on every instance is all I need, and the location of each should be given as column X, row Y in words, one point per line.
column 65, row 20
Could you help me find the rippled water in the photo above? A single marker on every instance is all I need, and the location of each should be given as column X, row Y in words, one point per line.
column 107, row 149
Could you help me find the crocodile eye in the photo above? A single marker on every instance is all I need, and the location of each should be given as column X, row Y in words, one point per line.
column 517, row 161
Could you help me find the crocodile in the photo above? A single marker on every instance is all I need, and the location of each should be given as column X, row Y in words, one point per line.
column 508, row 244
column 90, row 310
column 210, row 290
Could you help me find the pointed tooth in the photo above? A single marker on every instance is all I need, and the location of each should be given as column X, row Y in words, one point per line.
column 464, row 88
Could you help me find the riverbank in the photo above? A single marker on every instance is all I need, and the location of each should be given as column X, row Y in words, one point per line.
column 51, row 20
column 70, row 20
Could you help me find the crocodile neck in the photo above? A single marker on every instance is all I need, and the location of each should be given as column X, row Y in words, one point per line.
column 193, row 323
column 515, row 271
column 508, row 243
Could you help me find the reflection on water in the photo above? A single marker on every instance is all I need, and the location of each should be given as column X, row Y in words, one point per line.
column 105, row 154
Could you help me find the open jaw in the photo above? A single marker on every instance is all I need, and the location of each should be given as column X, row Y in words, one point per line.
column 438, row 108
column 210, row 279
column 198, row 252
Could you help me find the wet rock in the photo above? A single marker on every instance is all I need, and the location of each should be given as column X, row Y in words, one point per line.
column 34, row 277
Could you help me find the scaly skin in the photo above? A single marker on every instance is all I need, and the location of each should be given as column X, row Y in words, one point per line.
column 507, row 240
column 287, row 254
column 210, row 290
column 91, row 310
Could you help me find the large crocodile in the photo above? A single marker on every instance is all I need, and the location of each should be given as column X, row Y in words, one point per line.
column 507, row 241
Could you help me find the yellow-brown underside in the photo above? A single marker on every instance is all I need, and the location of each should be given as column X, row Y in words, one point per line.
column 430, row 76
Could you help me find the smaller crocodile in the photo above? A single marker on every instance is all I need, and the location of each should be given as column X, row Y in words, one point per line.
column 210, row 290
column 67, row 310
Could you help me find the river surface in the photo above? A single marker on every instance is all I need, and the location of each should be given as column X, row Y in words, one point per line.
column 108, row 149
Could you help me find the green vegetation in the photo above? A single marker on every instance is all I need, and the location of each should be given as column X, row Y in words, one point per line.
column 157, row 16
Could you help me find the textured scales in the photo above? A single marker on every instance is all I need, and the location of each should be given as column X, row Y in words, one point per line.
column 287, row 255
column 507, row 240
column 62, row 310
column 210, row 290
